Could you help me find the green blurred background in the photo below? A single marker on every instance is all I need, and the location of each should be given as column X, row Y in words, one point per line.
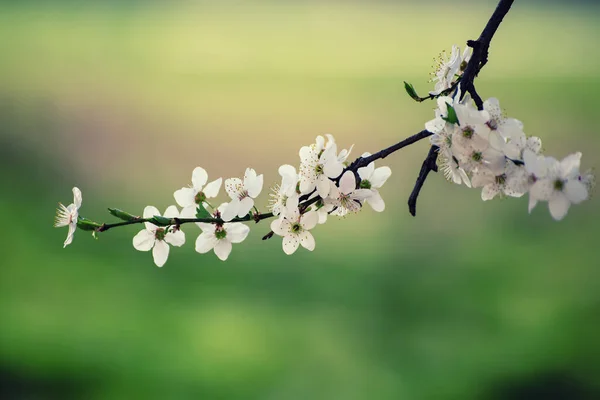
column 469, row 300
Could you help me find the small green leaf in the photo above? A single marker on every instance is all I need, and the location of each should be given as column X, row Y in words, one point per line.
column 451, row 118
column 411, row 91
column 201, row 212
column 125, row 216
column 87, row 225
column 160, row 221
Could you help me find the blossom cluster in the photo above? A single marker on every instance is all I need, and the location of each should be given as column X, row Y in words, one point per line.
column 322, row 180
column 478, row 147
column 322, row 185
column 485, row 149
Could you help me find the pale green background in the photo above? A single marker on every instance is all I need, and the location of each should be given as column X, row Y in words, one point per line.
column 469, row 300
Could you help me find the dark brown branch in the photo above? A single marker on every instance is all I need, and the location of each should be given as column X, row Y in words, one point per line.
column 364, row 161
column 481, row 48
column 429, row 164
column 478, row 59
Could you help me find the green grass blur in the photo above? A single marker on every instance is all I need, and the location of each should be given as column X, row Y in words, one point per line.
column 469, row 300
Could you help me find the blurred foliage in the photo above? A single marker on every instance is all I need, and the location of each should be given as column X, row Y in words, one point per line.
column 467, row 300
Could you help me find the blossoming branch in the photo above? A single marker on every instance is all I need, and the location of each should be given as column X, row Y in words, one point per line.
column 472, row 141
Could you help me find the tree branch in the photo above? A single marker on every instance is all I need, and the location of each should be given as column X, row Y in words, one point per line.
column 429, row 164
column 478, row 59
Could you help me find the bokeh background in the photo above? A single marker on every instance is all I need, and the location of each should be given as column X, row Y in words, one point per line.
column 469, row 300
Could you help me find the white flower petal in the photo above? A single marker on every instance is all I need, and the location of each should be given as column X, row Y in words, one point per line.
column 570, row 164
column 171, row 212
column 231, row 211
column 380, row 176
column 254, row 186
column 77, row 198
column 144, row 240
column 307, row 240
column 323, row 186
column 280, row 227
column 70, row 234
column 366, row 172
column 149, row 212
column 223, row 249
column 185, row 197
column 245, row 206
column 558, row 205
column 309, row 220
column 347, row 182
column 333, row 168
column 290, row 243
column 306, row 184
column 188, row 212
column 212, row 189
column 576, row 191
column 489, row 192
column 205, row 242
column 542, row 190
column 176, row 238
column 361, row 194
column 532, row 203
column 199, row 178
column 160, row 253
column 236, row 232
column 206, row 227
column 233, row 186
column 376, row 202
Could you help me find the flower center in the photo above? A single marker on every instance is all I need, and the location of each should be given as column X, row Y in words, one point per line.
column 242, row 194
column 476, row 156
column 220, row 233
column 492, row 124
column 160, row 234
column 468, row 132
column 200, row 197
column 296, row 227
column 365, row 184
column 463, row 66
column 319, row 169
column 501, row 179
column 558, row 184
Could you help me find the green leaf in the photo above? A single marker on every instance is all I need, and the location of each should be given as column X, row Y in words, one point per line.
column 125, row 216
column 201, row 212
column 451, row 118
column 160, row 221
column 87, row 225
column 411, row 91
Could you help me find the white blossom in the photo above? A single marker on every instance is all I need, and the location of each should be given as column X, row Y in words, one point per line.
column 294, row 228
column 372, row 179
column 285, row 196
column 513, row 181
column 220, row 236
column 557, row 182
column 346, row 198
column 67, row 216
column 191, row 197
column 242, row 194
column 158, row 238
column 449, row 67
column 319, row 164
